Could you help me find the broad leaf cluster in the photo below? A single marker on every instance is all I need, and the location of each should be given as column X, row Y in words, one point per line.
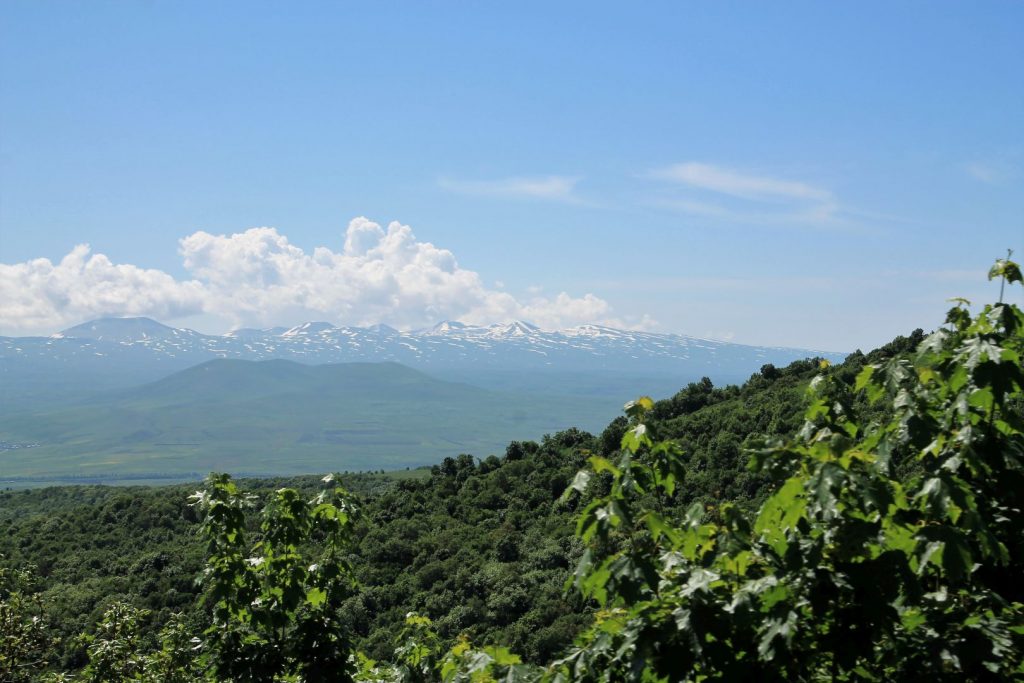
column 846, row 572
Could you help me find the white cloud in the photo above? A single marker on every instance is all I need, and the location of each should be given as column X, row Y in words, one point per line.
column 553, row 188
column 258, row 277
column 736, row 184
column 38, row 296
column 550, row 313
column 716, row 192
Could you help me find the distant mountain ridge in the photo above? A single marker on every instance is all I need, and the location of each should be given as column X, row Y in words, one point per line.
column 448, row 343
column 119, row 352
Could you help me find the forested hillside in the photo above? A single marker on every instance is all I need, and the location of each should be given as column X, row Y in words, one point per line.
column 480, row 545
column 876, row 529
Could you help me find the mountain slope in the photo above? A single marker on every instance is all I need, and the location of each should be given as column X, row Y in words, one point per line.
column 279, row 417
column 118, row 330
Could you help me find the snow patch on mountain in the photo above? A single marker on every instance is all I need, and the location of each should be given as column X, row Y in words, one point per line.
column 122, row 343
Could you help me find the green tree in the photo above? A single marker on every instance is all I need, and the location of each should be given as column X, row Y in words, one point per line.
column 178, row 660
column 276, row 601
column 24, row 642
column 116, row 650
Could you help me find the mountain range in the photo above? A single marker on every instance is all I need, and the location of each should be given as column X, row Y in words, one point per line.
column 131, row 397
column 119, row 352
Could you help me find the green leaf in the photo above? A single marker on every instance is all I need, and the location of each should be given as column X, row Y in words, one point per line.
column 593, row 584
column 315, row 597
column 864, row 377
column 603, row 465
column 978, row 350
column 783, row 509
column 945, row 547
column 502, row 656
column 636, row 437
column 659, row 527
column 776, row 636
column 638, row 407
column 898, row 536
column 1007, row 269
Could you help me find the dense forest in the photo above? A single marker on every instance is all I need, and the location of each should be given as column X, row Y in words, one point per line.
column 847, row 522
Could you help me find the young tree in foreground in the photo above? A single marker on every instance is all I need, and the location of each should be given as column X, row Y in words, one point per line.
column 276, row 603
column 846, row 573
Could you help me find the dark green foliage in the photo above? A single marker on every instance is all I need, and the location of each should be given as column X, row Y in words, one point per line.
column 24, row 642
column 93, row 546
column 115, row 650
column 479, row 548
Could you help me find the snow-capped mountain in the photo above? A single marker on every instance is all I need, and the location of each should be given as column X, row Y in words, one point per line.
column 117, row 330
column 112, row 351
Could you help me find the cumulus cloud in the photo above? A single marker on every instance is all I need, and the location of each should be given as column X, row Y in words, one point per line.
column 257, row 277
column 39, row 296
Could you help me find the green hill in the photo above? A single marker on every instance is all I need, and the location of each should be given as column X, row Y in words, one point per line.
column 278, row 417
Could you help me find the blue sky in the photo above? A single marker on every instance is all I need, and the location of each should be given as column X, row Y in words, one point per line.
column 821, row 175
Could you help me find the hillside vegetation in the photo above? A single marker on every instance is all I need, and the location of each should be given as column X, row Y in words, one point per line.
column 876, row 533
